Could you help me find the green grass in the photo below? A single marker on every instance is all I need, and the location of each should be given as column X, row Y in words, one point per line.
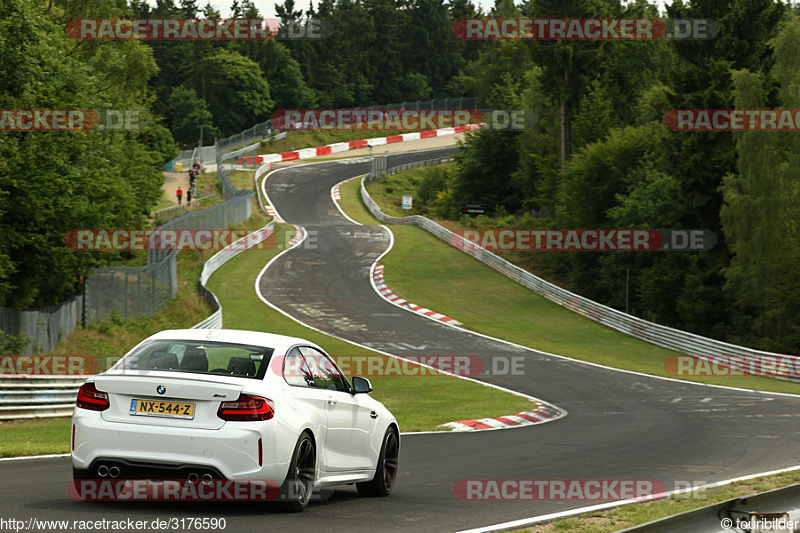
column 113, row 337
column 419, row 403
column 163, row 202
column 242, row 179
column 423, row 269
column 297, row 140
column 350, row 193
column 631, row 515
column 34, row 437
column 389, row 191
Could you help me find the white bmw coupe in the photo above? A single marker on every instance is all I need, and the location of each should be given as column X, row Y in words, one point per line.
column 208, row 405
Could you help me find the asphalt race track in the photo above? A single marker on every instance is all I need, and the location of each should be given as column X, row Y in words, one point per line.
column 619, row 425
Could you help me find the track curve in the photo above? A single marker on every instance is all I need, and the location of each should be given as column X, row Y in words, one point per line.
column 620, row 425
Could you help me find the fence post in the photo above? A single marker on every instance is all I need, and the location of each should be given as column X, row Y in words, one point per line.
column 83, row 305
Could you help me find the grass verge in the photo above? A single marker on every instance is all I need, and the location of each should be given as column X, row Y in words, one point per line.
column 631, row 515
column 428, row 272
column 34, row 437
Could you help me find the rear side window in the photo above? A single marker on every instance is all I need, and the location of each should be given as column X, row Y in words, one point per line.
column 199, row 358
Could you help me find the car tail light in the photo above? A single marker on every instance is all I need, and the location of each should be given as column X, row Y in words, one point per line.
column 247, row 408
column 91, row 398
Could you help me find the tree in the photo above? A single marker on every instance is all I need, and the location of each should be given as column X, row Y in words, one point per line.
column 567, row 63
column 87, row 179
column 430, row 28
column 236, row 92
column 189, row 114
column 759, row 215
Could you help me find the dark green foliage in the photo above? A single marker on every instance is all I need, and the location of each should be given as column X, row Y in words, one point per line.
column 53, row 182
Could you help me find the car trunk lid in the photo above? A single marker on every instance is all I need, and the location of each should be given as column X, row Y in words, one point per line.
column 164, row 399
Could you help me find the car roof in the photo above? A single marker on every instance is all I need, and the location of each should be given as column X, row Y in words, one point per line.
column 237, row 336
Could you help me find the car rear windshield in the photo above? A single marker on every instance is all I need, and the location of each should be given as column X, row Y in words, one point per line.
column 198, row 357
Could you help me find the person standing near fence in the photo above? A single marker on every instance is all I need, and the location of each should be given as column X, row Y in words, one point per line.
column 189, row 195
column 179, row 194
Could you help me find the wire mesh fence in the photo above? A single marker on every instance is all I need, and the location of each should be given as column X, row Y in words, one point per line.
column 41, row 328
column 377, row 167
column 130, row 291
column 463, row 102
column 265, row 129
column 257, row 132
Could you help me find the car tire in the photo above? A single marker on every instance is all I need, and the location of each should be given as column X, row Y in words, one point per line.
column 298, row 487
column 386, row 470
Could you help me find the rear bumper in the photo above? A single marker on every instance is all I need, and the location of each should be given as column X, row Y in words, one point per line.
column 231, row 452
column 126, row 469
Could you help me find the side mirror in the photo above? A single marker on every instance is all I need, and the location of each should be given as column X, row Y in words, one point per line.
column 361, row 385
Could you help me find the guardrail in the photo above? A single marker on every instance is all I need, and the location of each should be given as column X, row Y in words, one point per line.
column 666, row 337
column 217, row 260
column 38, row 396
column 378, row 166
column 780, row 504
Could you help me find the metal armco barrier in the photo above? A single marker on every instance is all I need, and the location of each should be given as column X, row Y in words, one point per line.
column 666, row 337
column 38, row 396
column 377, row 166
column 217, row 260
column 781, row 504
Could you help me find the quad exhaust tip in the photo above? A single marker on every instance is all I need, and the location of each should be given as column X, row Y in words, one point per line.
column 112, row 471
column 206, row 478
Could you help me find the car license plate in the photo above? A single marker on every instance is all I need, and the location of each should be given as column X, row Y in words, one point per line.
column 162, row 408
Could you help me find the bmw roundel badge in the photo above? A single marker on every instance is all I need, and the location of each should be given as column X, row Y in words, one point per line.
column 161, row 389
